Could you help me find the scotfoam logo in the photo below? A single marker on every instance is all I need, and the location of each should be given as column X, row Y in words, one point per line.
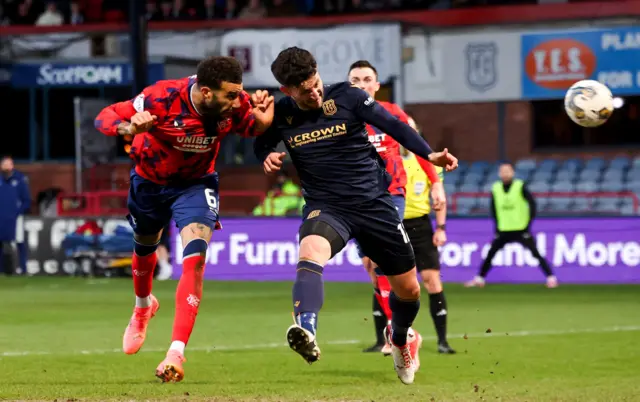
column 80, row 74
column 558, row 63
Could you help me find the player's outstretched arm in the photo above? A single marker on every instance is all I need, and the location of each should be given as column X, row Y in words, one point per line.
column 371, row 112
column 255, row 114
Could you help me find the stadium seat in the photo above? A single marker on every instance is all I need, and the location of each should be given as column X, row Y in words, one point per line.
column 525, row 165
column 627, row 207
column 595, row 164
column 559, row 204
column 607, row 205
column 613, row 174
column 620, row 162
column 587, row 186
column 479, row 167
column 581, row 204
column 486, row 187
column 562, row 186
column 465, row 205
column 635, row 163
column 539, row 187
column 473, row 177
column 542, row 175
column 572, row 165
column 589, row 175
column 452, row 177
column 449, row 188
column 612, row 186
column 566, row 175
column 549, row 165
column 633, row 174
column 541, row 203
column 467, row 187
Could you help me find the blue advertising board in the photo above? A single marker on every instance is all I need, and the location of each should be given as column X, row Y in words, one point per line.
column 552, row 62
column 78, row 74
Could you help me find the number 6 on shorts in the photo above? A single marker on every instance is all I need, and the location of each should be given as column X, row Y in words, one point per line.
column 212, row 200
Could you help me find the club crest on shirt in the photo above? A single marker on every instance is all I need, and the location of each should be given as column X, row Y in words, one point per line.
column 329, row 107
column 289, row 119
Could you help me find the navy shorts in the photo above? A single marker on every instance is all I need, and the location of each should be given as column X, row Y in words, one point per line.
column 152, row 206
column 399, row 201
column 375, row 225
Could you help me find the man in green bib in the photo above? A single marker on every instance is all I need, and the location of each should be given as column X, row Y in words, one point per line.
column 513, row 209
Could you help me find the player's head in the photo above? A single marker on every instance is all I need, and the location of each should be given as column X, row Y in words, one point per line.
column 297, row 72
column 365, row 76
column 220, row 83
column 6, row 165
column 506, row 172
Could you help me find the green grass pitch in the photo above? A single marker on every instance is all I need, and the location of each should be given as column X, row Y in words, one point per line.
column 60, row 338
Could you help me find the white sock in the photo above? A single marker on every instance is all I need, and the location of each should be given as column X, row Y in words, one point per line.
column 143, row 301
column 177, row 346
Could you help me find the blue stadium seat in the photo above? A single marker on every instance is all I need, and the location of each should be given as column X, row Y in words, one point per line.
column 633, row 174
column 589, row 175
column 613, row 174
column 486, row 187
column 581, row 204
column 627, row 207
column 539, row 187
column 464, row 205
column 473, row 177
column 595, row 163
column 620, row 162
column 548, row 165
column 525, row 164
column 559, row 204
column 452, row 177
column 479, row 167
column 636, row 162
column 587, row 186
column 469, row 187
column 522, row 174
column 563, row 186
column 607, row 205
column 542, row 175
column 633, row 186
column 449, row 188
column 612, row 185
column 541, row 203
column 566, row 175
column 571, row 165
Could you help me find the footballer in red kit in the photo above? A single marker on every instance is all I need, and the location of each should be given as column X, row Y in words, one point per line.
column 177, row 127
column 365, row 76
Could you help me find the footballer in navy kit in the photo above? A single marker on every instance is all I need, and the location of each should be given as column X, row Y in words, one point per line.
column 345, row 186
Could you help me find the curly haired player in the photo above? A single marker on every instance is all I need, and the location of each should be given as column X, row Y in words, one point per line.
column 178, row 126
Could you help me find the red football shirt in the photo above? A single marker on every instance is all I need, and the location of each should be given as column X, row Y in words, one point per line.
column 389, row 150
column 183, row 145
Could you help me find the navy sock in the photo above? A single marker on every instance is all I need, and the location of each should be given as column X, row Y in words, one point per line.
column 22, row 256
column 438, row 308
column 308, row 294
column 403, row 313
column 142, row 249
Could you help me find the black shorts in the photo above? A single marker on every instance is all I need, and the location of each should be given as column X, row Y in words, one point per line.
column 421, row 234
column 375, row 225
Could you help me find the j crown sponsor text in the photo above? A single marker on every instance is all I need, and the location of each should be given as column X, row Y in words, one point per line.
column 80, row 74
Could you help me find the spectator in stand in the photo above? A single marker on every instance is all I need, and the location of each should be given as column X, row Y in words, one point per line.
column 51, row 16
column 286, row 8
column 166, row 11
column 213, row 9
column 231, row 10
column 255, row 10
column 76, row 17
column 153, row 14
column 181, row 12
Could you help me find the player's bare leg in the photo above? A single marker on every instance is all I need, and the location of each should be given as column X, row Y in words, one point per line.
column 308, row 296
column 143, row 263
column 404, row 301
column 438, row 307
column 195, row 241
column 381, row 310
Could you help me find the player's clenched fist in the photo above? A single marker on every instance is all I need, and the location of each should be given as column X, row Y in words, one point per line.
column 141, row 122
column 444, row 159
column 273, row 162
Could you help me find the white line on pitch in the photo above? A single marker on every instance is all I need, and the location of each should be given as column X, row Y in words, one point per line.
column 275, row 345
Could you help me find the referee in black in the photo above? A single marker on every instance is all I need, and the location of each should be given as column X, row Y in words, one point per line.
column 513, row 208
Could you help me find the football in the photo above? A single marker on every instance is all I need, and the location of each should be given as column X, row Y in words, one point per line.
column 589, row 103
